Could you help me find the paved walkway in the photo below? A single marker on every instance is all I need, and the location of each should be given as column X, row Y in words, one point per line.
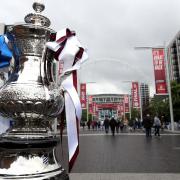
column 127, row 156
column 123, row 176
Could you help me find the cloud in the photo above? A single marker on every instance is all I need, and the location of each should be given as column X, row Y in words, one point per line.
column 110, row 30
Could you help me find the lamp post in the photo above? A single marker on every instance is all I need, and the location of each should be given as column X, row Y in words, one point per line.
column 140, row 100
column 167, row 78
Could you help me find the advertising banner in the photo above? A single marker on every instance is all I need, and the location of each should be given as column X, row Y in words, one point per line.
column 135, row 95
column 159, row 71
column 120, row 108
column 94, row 108
column 90, row 102
column 107, row 106
column 83, row 95
column 126, row 103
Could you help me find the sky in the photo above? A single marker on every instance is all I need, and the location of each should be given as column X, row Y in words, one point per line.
column 109, row 30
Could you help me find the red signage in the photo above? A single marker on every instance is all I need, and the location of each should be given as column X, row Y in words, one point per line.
column 121, row 109
column 126, row 103
column 90, row 102
column 135, row 95
column 107, row 106
column 159, row 71
column 94, row 108
column 83, row 95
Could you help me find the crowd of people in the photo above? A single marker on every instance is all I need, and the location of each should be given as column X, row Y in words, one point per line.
column 117, row 125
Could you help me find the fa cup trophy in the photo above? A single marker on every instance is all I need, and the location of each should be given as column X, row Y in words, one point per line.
column 32, row 98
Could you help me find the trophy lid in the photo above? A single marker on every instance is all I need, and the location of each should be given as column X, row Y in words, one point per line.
column 36, row 18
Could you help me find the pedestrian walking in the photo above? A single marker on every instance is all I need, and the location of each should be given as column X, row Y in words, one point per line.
column 147, row 123
column 99, row 124
column 93, row 124
column 121, row 125
column 83, row 124
column 157, row 125
column 125, row 124
column 117, row 125
column 106, row 124
column 89, row 124
column 112, row 124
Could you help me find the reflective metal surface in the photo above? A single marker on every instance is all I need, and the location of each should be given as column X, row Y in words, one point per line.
column 39, row 164
column 31, row 96
column 32, row 99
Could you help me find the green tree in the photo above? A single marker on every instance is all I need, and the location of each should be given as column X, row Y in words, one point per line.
column 175, row 92
column 159, row 106
column 135, row 113
column 84, row 115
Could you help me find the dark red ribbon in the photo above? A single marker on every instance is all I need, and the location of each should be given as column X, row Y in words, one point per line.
column 62, row 42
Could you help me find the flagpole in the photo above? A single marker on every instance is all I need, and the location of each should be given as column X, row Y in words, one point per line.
column 140, row 100
column 167, row 79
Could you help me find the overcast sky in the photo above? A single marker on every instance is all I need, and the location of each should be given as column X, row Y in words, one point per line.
column 109, row 29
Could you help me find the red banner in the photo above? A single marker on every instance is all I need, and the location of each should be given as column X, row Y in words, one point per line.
column 159, row 71
column 94, row 108
column 126, row 103
column 90, row 102
column 107, row 106
column 120, row 108
column 135, row 95
column 83, row 95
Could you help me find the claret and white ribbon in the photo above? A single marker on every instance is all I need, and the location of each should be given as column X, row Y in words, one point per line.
column 69, row 51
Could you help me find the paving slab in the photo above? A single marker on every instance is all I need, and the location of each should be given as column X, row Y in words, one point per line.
column 123, row 176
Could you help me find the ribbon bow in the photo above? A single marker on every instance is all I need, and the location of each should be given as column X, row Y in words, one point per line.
column 68, row 51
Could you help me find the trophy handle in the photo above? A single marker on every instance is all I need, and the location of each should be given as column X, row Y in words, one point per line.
column 48, row 67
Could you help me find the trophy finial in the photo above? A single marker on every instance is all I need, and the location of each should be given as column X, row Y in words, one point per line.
column 36, row 18
column 38, row 6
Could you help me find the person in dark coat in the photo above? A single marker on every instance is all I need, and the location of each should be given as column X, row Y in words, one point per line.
column 89, row 124
column 117, row 125
column 112, row 124
column 106, row 124
column 148, row 123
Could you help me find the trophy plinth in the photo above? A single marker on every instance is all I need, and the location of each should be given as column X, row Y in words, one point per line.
column 33, row 100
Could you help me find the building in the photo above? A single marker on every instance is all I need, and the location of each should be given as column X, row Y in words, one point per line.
column 107, row 104
column 144, row 91
column 174, row 58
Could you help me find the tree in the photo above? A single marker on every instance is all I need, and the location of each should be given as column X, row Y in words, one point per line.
column 175, row 92
column 135, row 113
column 159, row 106
column 84, row 115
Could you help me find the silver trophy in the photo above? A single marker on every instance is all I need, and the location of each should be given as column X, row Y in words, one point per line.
column 32, row 99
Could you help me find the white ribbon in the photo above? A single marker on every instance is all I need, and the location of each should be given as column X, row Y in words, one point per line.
column 70, row 89
column 72, row 102
column 71, row 109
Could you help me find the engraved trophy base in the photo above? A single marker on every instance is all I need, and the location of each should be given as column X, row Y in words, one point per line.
column 30, row 159
column 58, row 174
